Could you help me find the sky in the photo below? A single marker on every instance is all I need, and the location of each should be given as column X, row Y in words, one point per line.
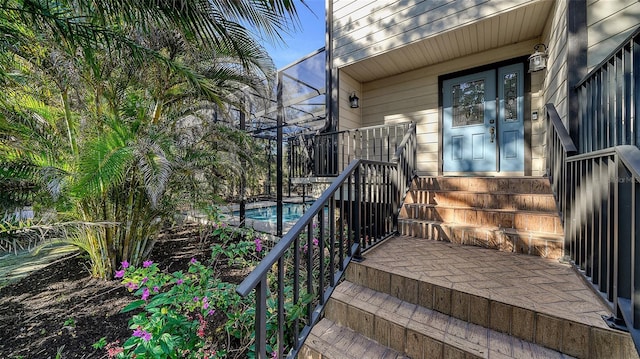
column 307, row 39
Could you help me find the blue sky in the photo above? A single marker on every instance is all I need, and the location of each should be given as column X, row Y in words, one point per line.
column 308, row 38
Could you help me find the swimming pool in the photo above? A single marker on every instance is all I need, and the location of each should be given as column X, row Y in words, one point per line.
column 290, row 212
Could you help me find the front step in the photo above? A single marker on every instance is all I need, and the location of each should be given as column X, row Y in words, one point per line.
column 430, row 299
column 332, row 341
column 420, row 332
column 515, row 214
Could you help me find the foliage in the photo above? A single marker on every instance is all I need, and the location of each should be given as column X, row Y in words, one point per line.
column 175, row 307
column 106, row 108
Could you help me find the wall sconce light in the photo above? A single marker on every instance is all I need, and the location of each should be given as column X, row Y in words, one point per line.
column 353, row 100
column 538, row 60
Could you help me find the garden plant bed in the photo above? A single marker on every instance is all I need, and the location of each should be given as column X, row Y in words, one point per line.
column 60, row 308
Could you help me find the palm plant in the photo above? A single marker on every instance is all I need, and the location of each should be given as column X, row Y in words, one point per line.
column 111, row 85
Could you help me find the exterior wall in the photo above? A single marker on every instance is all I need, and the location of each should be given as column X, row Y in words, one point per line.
column 608, row 24
column 555, row 76
column 365, row 28
column 413, row 96
column 350, row 118
column 538, row 143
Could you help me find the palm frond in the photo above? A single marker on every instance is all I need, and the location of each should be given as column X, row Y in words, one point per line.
column 155, row 167
column 104, row 162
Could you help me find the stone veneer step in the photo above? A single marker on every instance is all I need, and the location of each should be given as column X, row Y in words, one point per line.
column 484, row 184
column 501, row 218
column 545, row 245
column 332, row 341
column 543, row 202
column 514, row 214
column 421, row 332
column 528, row 298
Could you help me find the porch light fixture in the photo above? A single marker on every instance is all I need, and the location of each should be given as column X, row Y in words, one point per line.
column 538, row 60
column 353, row 100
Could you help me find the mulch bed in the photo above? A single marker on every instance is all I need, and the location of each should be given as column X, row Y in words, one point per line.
column 33, row 311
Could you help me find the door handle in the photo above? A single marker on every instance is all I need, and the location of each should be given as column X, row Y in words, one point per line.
column 492, row 134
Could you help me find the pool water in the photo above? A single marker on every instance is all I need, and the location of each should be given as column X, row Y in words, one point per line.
column 290, row 212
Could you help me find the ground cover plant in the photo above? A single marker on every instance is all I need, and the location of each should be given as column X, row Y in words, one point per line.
column 62, row 311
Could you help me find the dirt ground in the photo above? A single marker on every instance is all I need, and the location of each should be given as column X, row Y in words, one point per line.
column 60, row 308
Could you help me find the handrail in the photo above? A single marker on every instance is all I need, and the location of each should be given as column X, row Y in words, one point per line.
column 563, row 133
column 630, row 156
column 403, row 144
column 602, row 63
column 283, row 244
column 601, row 228
column 332, row 151
column 358, row 211
column 355, row 213
column 559, row 148
column 607, row 114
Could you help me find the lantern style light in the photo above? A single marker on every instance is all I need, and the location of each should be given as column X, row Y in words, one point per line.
column 353, row 100
column 538, row 60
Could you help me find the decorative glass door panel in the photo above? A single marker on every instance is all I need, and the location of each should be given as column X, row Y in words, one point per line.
column 480, row 134
column 469, row 113
column 511, row 118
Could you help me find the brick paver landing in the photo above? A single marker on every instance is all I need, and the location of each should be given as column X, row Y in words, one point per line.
column 531, row 282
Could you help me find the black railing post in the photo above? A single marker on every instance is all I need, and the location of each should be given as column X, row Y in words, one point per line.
column 279, row 174
column 356, row 212
column 281, row 300
column 261, row 319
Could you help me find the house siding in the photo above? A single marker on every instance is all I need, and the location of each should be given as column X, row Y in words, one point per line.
column 413, row 96
column 366, row 28
column 608, row 24
column 555, row 80
column 350, row 118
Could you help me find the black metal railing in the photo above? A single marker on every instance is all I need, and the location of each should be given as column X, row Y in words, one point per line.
column 598, row 188
column 609, row 100
column 405, row 157
column 603, row 227
column 295, row 279
column 559, row 147
column 328, row 154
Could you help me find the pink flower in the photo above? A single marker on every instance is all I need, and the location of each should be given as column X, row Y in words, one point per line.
column 147, row 264
column 119, row 273
column 132, row 286
column 193, row 261
column 156, row 289
column 274, row 355
column 202, row 326
column 195, row 299
column 210, row 312
column 205, row 303
column 140, row 333
column 179, row 281
column 144, row 280
column 315, row 242
column 145, row 294
column 258, row 243
column 125, row 265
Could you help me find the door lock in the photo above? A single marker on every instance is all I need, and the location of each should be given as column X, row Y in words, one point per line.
column 492, row 134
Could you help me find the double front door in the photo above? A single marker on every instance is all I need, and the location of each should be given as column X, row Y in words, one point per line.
column 483, row 121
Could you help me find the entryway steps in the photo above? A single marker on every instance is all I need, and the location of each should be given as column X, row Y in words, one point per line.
column 546, row 222
column 329, row 340
column 431, row 299
column 515, row 214
column 542, row 202
column 420, row 332
column 485, row 184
